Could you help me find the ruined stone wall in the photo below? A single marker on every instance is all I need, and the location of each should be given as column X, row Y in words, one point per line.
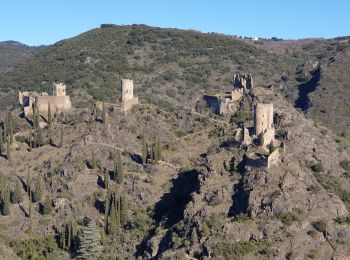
column 263, row 117
column 273, row 158
column 58, row 89
column 244, row 81
column 267, row 137
column 213, row 102
column 127, row 91
column 57, row 103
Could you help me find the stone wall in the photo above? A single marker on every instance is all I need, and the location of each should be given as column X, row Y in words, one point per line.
column 273, row 158
column 263, row 117
column 58, row 89
column 213, row 102
column 244, row 81
column 267, row 137
column 57, row 103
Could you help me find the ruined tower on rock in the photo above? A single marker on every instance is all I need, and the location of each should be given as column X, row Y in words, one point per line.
column 127, row 99
column 263, row 117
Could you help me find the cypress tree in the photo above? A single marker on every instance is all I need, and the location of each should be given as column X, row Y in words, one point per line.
column 30, row 141
column 105, row 177
column 158, row 150
column 144, row 150
column 40, row 140
column 46, row 206
column 104, row 113
column 1, row 142
column 16, row 195
column 38, row 192
column 49, row 116
column 10, row 126
column 5, row 202
column 107, row 205
column 49, row 141
column 30, row 207
column 151, row 154
column 123, row 210
column 8, row 149
column 90, row 242
column 120, row 170
column 61, row 136
column 28, row 182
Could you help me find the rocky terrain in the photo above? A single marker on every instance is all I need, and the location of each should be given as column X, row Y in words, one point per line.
column 199, row 200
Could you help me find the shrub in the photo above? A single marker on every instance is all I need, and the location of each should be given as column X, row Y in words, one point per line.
column 318, row 167
column 345, row 164
column 320, row 225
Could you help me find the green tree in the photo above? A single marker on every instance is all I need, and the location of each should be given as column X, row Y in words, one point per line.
column 49, row 116
column 38, row 192
column 104, row 113
column 1, row 142
column 16, row 195
column 61, row 136
column 105, row 177
column 144, row 150
column 28, row 181
column 8, row 149
column 10, row 126
column 89, row 241
column 30, row 140
column 46, row 206
column 68, row 235
column 158, row 154
column 30, row 206
column 120, row 170
column 5, row 201
column 39, row 137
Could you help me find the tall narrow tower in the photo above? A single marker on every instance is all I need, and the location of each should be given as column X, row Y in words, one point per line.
column 263, row 117
column 127, row 99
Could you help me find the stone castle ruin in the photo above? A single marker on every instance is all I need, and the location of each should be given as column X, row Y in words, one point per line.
column 59, row 101
column 226, row 103
column 267, row 154
column 127, row 99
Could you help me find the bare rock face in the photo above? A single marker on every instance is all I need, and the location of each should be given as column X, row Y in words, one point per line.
column 244, row 81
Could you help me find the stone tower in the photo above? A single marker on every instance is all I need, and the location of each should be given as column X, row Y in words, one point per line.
column 127, row 98
column 127, row 90
column 263, row 117
column 58, row 89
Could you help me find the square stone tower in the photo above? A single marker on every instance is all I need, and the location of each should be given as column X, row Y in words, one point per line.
column 127, row 99
column 58, row 89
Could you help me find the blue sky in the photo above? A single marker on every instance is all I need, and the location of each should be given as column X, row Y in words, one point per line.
column 38, row 22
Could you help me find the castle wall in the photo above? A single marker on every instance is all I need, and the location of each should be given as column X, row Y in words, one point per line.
column 58, row 89
column 273, row 158
column 128, row 104
column 213, row 102
column 57, row 103
column 244, row 81
column 267, row 137
column 263, row 117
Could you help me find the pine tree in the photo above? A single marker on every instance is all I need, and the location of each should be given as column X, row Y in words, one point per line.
column 61, row 136
column 5, row 201
column 1, row 142
column 28, row 182
column 30, row 140
column 158, row 150
column 8, row 149
column 151, row 154
column 90, row 241
column 49, row 116
column 144, row 150
column 16, row 195
column 38, row 192
column 120, row 170
column 104, row 113
column 105, row 178
column 49, row 136
column 10, row 126
column 46, row 206
column 40, row 140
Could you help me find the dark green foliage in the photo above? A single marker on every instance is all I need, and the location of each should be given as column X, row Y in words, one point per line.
column 318, row 167
column 17, row 195
column 5, row 200
column 68, row 236
column 320, row 226
column 46, row 206
column 144, row 150
column 1, row 142
column 39, row 137
column 115, row 212
column 38, row 248
column 158, row 150
column 38, row 192
column 104, row 113
column 345, row 164
column 49, row 116
column 120, row 171
column 30, row 140
column 105, row 178
column 61, row 136
column 8, row 149
column 334, row 184
column 89, row 241
column 241, row 116
column 232, row 251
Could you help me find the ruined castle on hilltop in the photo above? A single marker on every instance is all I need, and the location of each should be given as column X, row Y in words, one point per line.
column 59, row 101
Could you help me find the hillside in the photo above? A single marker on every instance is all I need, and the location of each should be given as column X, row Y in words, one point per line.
column 173, row 67
column 12, row 52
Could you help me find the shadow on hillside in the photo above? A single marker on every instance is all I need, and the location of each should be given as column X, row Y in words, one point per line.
column 170, row 209
column 303, row 101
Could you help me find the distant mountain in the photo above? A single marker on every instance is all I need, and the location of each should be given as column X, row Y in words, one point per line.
column 13, row 52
